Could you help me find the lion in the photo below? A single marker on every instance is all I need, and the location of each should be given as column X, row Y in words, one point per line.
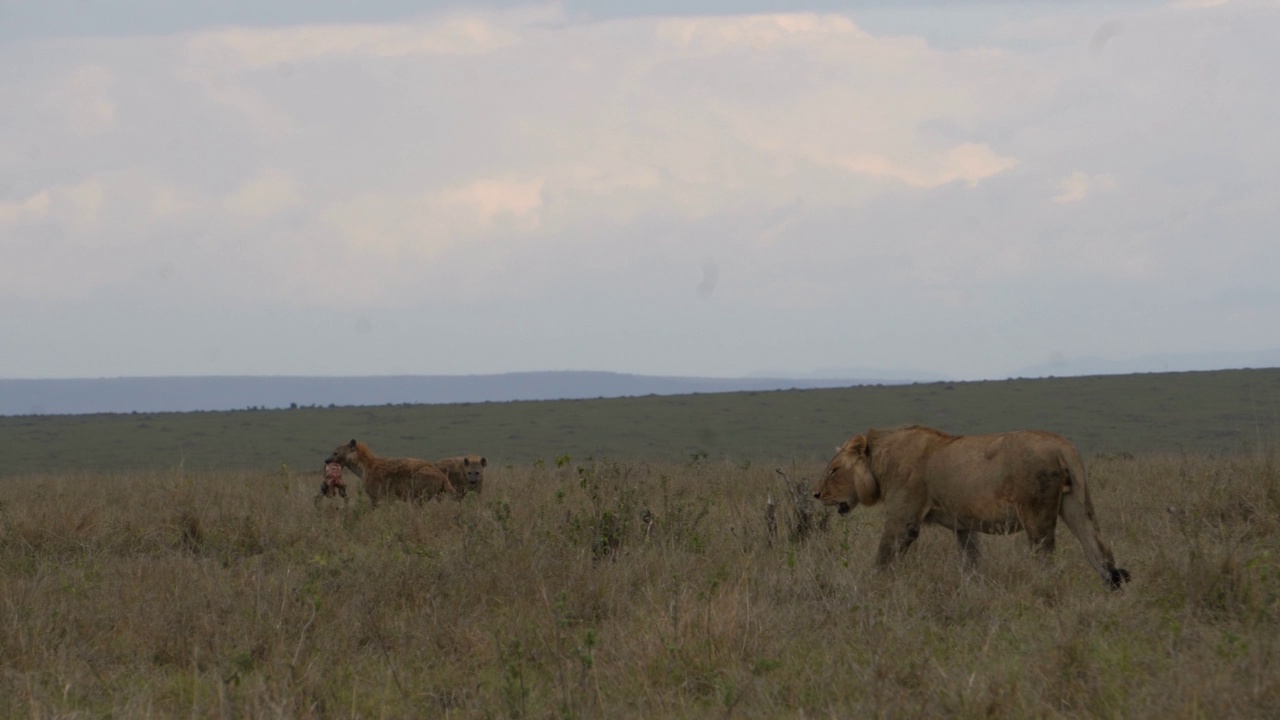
column 466, row 472
column 405, row 478
column 1002, row 483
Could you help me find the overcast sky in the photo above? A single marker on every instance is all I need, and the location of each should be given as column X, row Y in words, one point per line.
column 682, row 188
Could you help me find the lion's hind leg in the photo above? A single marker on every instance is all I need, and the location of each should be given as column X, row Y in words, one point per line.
column 1042, row 535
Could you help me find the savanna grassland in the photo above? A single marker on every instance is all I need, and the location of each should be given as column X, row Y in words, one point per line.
column 183, row 569
column 601, row 589
column 1203, row 412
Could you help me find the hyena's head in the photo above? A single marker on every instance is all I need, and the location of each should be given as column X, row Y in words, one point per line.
column 345, row 454
column 473, row 466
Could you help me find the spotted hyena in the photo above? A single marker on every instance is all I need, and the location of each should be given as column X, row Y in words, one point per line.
column 404, row 478
column 466, row 472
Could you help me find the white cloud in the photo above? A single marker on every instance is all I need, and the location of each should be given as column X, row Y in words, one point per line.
column 967, row 162
column 172, row 202
column 486, row 203
column 1079, row 186
column 221, row 87
column 84, row 97
column 413, row 229
column 33, row 207
column 58, row 243
column 588, row 171
column 245, row 48
column 715, row 35
column 84, row 207
column 78, row 208
column 269, row 193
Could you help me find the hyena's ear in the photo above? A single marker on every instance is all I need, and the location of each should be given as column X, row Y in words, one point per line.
column 352, row 444
column 483, row 462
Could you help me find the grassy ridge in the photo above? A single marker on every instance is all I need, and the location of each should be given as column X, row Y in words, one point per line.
column 1219, row 412
column 625, row 590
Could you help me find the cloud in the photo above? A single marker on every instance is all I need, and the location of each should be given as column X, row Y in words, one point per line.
column 35, row 206
column 486, row 203
column 1104, row 33
column 762, row 174
column 84, row 98
column 967, row 162
column 56, row 243
column 271, row 192
column 1079, row 186
column 716, row 35
column 417, row 227
column 77, row 207
column 244, row 48
column 171, row 202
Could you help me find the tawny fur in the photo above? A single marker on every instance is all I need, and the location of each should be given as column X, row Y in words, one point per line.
column 404, row 478
column 466, row 473
column 1002, row 483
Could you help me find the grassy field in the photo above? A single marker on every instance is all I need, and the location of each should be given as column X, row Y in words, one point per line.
column 619, row 564
column 625, row 589
column 1206, row 412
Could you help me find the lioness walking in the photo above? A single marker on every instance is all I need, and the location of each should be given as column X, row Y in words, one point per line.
column 1002, row 483
column 405, row 478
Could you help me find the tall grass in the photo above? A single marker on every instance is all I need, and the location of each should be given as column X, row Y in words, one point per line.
column 625, row 589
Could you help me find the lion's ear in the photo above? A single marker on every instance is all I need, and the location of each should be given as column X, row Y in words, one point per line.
column 859, row 446
column 352, row 444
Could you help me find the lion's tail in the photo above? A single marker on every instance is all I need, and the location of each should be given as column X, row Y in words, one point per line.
column 1076, row 510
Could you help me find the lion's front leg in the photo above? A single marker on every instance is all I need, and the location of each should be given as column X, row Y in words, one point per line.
column 895, row 540
column 969, row 551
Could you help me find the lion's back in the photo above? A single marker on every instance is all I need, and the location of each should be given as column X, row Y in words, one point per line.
column 988, row 463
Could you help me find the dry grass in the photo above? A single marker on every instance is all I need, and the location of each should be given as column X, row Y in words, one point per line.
column 624, row 590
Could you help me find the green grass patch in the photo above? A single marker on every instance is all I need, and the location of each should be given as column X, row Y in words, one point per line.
column 1199, row 412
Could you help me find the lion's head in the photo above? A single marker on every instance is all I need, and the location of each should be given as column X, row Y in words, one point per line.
column 848, row 479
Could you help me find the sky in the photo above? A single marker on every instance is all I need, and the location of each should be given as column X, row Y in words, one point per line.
column 705, row 188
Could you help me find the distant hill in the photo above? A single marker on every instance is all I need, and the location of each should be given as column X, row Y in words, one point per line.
column 187, row 394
